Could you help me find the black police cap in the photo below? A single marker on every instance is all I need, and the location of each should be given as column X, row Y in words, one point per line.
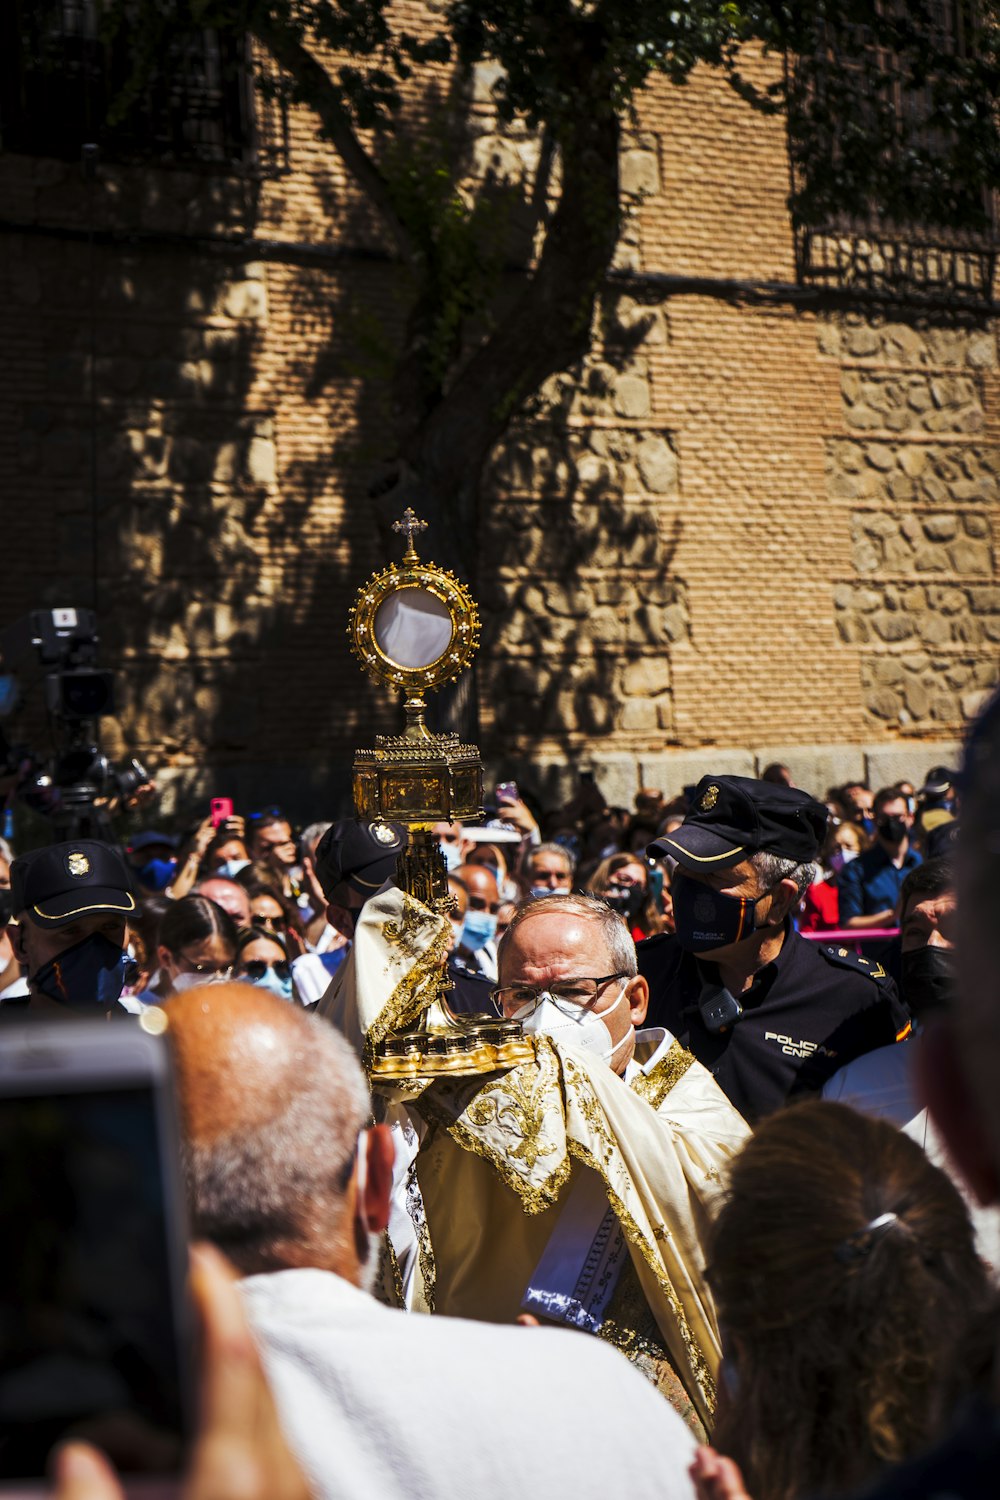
column 360, row 851
column 940, row 779
column 67, row 882
column 732, row 817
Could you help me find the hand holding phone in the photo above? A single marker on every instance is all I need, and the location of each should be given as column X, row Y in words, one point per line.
column 240, row 1447
column 95, row 1337
column 220, row 809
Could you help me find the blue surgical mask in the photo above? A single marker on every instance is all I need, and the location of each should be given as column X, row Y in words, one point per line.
column 705, row 919
column 89, row 976
column 156, row 874
column 544, row 890
column 478, row 929
column 452, row 856
column 269, row 980
column 231, row 868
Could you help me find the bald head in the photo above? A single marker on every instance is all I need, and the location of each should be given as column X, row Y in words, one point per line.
column 229, row 894
column 481, row 884
column 238, row 1051
column 272, row 1103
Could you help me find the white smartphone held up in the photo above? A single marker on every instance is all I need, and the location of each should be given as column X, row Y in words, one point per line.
column 95, row 1330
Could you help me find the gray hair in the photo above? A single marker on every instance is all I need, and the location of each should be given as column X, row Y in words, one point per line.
column 550, row 848
column 614, row 928
column 310, row 837
column 772, row 867
column 260, row 1187
column 6, row 852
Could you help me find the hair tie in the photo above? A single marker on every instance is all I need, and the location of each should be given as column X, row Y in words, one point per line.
column 860, row 1243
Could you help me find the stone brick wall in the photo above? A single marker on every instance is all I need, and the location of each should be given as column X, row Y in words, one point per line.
column 740, row 531
column 918, row 469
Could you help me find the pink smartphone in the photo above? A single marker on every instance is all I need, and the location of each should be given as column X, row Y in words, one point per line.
column 221, row 808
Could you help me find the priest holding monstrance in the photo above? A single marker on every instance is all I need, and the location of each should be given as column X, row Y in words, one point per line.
column 554, row 1159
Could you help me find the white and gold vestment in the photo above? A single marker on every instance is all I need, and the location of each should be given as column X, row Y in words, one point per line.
column 554, row 1186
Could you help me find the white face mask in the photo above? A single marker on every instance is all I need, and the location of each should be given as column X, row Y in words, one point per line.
column 841, row 857
column 182, row 982
column 452, row 855
column 584, row 1029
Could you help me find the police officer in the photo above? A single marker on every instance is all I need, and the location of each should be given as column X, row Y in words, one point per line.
column 768, row 1013
column 355, row 858
column 71, row 905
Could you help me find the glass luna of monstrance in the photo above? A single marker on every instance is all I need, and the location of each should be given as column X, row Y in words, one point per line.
column 413, row 627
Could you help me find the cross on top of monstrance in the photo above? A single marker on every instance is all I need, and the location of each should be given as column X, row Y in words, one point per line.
column 408, row 525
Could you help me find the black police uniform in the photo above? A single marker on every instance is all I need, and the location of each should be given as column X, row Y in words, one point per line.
column 812, row 1009
column 472, row 993
column 807, row 1012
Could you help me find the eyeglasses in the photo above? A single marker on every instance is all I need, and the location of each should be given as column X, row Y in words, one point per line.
column 256, row 968
column 567, row 995
column 273, row 924
column 221, row 970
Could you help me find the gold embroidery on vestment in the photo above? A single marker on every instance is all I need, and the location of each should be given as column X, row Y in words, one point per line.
column 655, row 1085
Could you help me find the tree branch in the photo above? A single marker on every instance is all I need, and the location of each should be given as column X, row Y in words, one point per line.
column 546, row 330
column 318, row 89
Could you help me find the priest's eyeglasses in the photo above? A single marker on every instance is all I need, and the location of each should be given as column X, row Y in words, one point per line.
column 567, row 995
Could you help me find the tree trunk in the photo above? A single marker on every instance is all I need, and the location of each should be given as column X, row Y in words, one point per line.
column 444, row 450
column 546, row 330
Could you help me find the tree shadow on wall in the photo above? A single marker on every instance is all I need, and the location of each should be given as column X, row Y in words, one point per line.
column 193, row 613
column 574, row 545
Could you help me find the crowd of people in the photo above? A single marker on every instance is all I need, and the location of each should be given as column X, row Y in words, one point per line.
column 768, row 1021
column 285, row 935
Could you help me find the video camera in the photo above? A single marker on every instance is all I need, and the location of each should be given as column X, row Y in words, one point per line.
column 71, row 788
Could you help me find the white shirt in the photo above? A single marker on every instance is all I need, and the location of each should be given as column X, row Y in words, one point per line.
column 653, row 1043
column 311, row 976
column 486, row 958
column 881, row 1083
column 386, row 1405
column 878, row 1083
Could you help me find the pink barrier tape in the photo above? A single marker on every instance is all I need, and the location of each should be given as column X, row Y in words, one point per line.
column 850, row 934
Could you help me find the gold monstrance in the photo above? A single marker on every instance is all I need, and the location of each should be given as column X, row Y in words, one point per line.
column 414, row 626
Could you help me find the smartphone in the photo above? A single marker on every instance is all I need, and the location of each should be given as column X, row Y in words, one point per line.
column 507, row 792
column 221, row 809
column 95, row 1328
column 654, row 881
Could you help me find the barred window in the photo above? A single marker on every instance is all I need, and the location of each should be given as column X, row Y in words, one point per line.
column 64, row 83
column 877, row 116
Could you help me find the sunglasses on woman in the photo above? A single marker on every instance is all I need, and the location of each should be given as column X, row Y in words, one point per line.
column 256, row 968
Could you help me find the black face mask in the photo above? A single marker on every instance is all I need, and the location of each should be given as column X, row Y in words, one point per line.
column 705, row 919
column 929, row 978
column 628, row 902
column 893, row 830
column 90, row 975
